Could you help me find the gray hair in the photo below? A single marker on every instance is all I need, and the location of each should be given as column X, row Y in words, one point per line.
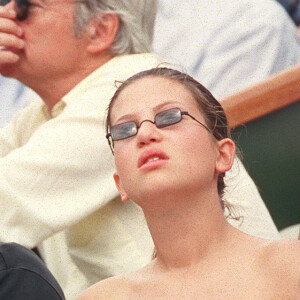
column 136, row 22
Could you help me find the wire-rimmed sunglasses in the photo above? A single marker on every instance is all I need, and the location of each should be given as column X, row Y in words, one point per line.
column 162, row 119
column 21, row 7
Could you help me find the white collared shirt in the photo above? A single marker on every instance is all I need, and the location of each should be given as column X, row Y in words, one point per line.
column 56, row 173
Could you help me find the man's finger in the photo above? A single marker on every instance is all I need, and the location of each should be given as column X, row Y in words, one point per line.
column 7, row 57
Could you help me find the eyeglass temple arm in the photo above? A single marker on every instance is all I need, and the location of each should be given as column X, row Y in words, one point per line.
column 187, row 114
column 109, row 143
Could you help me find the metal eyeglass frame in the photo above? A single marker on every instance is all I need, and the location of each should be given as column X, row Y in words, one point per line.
column 182, row 113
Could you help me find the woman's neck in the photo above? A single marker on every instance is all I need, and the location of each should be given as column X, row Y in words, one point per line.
column 185, row 230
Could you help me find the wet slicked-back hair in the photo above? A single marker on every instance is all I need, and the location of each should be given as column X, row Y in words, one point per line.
column 211, row 109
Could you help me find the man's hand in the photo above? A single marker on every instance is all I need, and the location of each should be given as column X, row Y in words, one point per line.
column 10, row 35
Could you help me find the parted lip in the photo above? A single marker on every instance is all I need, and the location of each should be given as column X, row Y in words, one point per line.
column 149, row 153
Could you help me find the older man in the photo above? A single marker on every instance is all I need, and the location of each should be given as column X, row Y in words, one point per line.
column 55, row 166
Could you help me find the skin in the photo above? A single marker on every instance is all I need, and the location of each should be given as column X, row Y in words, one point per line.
column 180, row 140
column 43, row 52
column 199, row 255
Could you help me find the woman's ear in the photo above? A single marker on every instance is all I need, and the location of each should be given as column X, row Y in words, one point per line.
column 102, row 32
column 225, row 157
column 120, row 188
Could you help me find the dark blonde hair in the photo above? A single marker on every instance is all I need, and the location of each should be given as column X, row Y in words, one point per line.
column 211, row 109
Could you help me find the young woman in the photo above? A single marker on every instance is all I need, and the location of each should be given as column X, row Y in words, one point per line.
column 172, row 147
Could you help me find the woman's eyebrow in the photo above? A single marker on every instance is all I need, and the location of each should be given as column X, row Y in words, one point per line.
column 161, row 105
column 129, row 117
column 126, row 118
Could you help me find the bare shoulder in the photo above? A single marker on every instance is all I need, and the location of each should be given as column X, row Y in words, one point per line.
column 114, row 288
column 125, row 287
column 284, row 251
column 282, row 259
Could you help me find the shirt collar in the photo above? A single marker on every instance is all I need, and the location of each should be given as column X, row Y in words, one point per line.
column 56, row 110
column 118, row 68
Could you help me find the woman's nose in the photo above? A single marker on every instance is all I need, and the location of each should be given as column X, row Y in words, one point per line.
column 148, row 133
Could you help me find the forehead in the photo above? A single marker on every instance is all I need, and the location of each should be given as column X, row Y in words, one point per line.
column 149, row 92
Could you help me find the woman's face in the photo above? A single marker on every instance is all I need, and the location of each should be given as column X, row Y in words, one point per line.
column 176, row 159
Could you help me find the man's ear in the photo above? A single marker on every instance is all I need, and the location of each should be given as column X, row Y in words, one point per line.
column 225, row 157
column 120, row 188
column 102, row 32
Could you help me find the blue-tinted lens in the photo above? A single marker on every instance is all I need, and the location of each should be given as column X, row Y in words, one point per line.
column 123, row 131
column 168, row 117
